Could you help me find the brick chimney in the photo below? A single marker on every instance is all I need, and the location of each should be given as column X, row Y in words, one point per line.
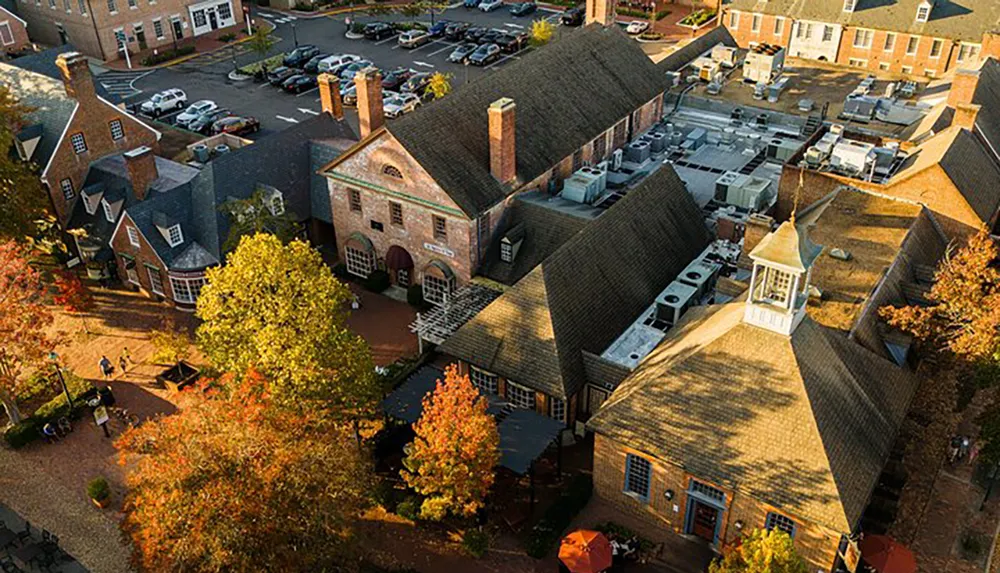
column 965, row 115
column 368, row 83
column 503, row 159
column 329, row 95
column 141, row 165
column 991, row 45
column 76, row 76
column 601, row 12
column 963, row 87
column 758, row 226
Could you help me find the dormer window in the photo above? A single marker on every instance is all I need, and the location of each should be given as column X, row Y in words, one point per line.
column 109, row 213
column 924, row 11
column 276, row 204
column 174, row 235
column 506, row 252
column 849, row 5
column 90, row 202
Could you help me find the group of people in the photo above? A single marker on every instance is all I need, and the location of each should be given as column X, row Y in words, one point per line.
column 960, row 448
column 646, row 6
column 124, row 361
column 52, row 432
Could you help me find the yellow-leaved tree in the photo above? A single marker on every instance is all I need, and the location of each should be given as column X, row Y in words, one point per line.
column 541, row 32
column 439, row 85
column 278, row 309
column 760, row 552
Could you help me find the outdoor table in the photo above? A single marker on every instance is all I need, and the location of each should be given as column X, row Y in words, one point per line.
column 25, row 555
column 7, row 537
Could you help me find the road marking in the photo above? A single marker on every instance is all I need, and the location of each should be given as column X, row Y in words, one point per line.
column 307, row 91
column 291, row 17
column 380, row 42
column 510, row 25
column 502, row 60
column 448, row 46
column 288, row 119
column 266, row 14
column 309, row 111
column 424, row 64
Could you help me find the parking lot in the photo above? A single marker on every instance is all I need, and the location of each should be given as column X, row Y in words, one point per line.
column 205, row 77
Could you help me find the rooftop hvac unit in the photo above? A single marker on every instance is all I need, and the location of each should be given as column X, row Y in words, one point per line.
column 697, row 137
column 749, row 193
column 616, row 159
column 584, row 186
column 725, row 55
column 782, row 149
column 837, row 129
column 637, row 151
column 676, row 138
column 763, row 64
column 728, row 134
column 826, row 143
column 701, row 274
column 674, row 78
column 707, row 68
column 723, row 182
column 852, row 157
column 201, row 152
column 815, row 156
column 657, row 142
column 674, row 301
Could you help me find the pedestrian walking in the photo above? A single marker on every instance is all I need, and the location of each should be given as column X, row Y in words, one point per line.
column 124, row 359
column 106, row 368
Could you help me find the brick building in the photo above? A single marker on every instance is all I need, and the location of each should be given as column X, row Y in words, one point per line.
column 910, row 37
column 91, row 25
column 13, row 32
column 422, row 196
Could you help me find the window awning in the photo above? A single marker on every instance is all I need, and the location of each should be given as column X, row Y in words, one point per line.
column 361, row 241
column 436, row 266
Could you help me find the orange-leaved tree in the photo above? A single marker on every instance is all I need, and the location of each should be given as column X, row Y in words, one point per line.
column 24, row 318
column 234, row 483
column 964, row 319
column 74, row 296
column 452, row 458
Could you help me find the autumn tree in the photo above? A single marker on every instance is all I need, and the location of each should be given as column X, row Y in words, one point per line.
column 171, row 342
column 22, row 199
column 279, row 309
column 23, row 321
column 451, row 461
column 231, row 483
column 439, row 85
column 541, row 32
column 760, row 552
column 74, row 296
column 964, row 318
column 262, row 212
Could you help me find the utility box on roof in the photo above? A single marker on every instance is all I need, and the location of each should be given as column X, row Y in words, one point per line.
column 764, row 63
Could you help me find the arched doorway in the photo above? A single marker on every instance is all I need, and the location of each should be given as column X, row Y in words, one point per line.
column 359, row 255
column 400, row 265
column 438, row 282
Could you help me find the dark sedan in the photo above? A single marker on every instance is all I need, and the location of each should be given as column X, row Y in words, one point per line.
column 456, row 30
column 396, row 78
column 523, row 8
column 204, row 123
column 299, row 83
column 512, row 43
column 474, row 34
column 485, row 54
column 572, row 17
column 236, row 125
column 462, row 52
column 416, row 83
column 438, row 29
column 278, row 75
column 491, row 37
column 299, row 56
column 379, row 30
column 312, row 66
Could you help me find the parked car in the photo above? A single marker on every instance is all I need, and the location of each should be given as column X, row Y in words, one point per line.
column 416, row 83
column 194, row 111
column 572, row 16
column 456, row 30
column 299, row 56
column 236, row 125
column 438, row 28
column 522, row 8
column 491, row 36
column 350, row 95
column 167, row 100
column 328, row 63
column 413, row 39
column 637, row 27
column 379, row 30
column 396, row 78
column 204, row 123
column 278, row 75
column 312, row 66
column 474, row 34
column 299, row 83
column 485, row 54
column 353, row 68
column 512, row 43
column 402, row 103
column 471, row 3
column 462, row 52
column 490, row 5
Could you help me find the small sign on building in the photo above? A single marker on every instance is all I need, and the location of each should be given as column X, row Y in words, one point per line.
column 444, row 251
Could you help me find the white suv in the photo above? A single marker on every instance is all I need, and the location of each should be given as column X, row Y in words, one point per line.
column 167, row 100
column 331, row 63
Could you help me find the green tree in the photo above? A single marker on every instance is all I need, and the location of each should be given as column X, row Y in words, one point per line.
column 412, row 10
column 439, row 85
column 277, row 308
column 376, row 10
column 22, row 198
column 760, row 552
column 262, row 41
column 541, row 32
column 262, row 212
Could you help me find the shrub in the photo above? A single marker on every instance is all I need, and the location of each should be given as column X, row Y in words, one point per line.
column 167, row 55
column 29, row 429
column 386, row 495
column 377, row 281
column 661, row 15
column 972, row 545
column 697, row 18
column 651, row 36
column 476, row 542
column 20, row 435
column 227, row 37
column 558, row 516
column 631, row 12
column 340, row 271
column 98, row 489
column 304, row 7
column 415, row 295
column 409, row 508
column 358, row 27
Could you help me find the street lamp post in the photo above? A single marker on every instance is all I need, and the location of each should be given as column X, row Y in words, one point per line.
column 295, row 37
column 55, row 360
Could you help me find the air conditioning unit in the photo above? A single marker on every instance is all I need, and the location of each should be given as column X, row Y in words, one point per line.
column 637, row 152
column 585, row 185
column 749, row 193
column 674, row 301
column 723, row 182
column 852, row 157
column 657, row 142
column 701, row 274
column 616, row 159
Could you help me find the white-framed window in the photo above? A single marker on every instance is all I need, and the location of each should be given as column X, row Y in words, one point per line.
column 89, row 204
column 908, row 70
column 520, row 396
column 936, row 47
column 6, row 36
column 485, row 381
column 884, row 66
column 803, row 30
column 779, row 26
column 506, row 252
column 755, row 23
column 857, row 63
column 967, row 52
column 923, row 12
column 911, row 45
column 66, row 185
column 890, row 42
column 78, row 142
column 437, row 290
column 174, row 235
column 109, row 214
column 158, row 28
column 359, row 262
column 773, row 286
column 52, row 4
column 930, row 73
column 638, row 476
column 117, row 131
column 133, row 4
column 557, row 409
column 827, row 33
column 849, row 5
column 155, row 279
column 276, row 204
column 133, row 236
column 112, row 7
column 199, row 18
column 780, row 522
column 82, row 4
column 862, row 38
column 187, row 289
column 224, row 12
column 734, row 19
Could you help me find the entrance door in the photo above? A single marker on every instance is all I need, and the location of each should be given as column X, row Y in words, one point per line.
column 213, row 20
column 705, row 518
column 178, row 29
column 140, row 36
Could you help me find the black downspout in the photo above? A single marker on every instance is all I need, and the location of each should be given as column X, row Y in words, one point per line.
column 97, row 33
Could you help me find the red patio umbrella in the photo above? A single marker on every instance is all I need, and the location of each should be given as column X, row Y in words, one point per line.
column 886, row 555
column 585, row 551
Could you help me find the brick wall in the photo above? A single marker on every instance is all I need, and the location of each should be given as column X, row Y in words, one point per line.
column 17, row 30
column 897, row 58
column 542, row 400
column 744, row 32
column 144, row 255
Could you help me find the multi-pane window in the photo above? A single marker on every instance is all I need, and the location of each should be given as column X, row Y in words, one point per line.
column 827, row 33
column 936, row 46
column 437, row 290
column 354, row 199
column 396, row 213
column 890, row 42
column 117, row 132
column 67, row 188
column 82, row 4
column 158, row 28
column 506, row 252
column 133, row 4
column 884, row 66
column 78, row 142
column 68, row 6
column 520, row 396
column 862, row 38
column 359, row 262
column 109, row 213
column 224, row 12
column 780, row 522
column 112, row 7
column 133, row 236
column 557, row 409
column 708, row 491
column 755, row 23
column 849, row 5
column 779, row 26
column 199, row 18
column 774, row 286
column 907, row 70
column 734, row 20
column 923, row 13
column 483, row 380
column 187, row 289
column 174, row 235
column 638, row 475
column 6, row 36
column 911, row 45
column 857, row 63
column 155, row 280
column 967, row 52
column 440, row 228
column 89, row 204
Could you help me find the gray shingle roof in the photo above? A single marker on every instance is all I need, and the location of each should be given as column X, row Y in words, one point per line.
column 803, row 423
column 987, row 95
column 52, row 108
column 44, row 63
column 695, row 48
column 585, row 294
column 566, row 94
column 974, row 173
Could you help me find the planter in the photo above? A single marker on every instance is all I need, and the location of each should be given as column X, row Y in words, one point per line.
column 102, row 503
column 95, row 274
column 238, row 77
column 354, row 36
column 178, row 376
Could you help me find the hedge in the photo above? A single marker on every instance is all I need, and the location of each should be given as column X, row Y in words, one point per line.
column 559, row 515
column 168, row 55
column 377, row 281
column 30, row 427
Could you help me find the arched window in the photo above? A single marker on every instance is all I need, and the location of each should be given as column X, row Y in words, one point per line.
column 392, row 171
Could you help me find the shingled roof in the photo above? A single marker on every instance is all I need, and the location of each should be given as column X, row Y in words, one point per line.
column 987, row 95
column 44, row 63
column 566, row 95
column 696, row 47
column 585, row 294
column 803, row 423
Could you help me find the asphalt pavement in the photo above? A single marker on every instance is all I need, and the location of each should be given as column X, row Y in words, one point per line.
column 205, row 77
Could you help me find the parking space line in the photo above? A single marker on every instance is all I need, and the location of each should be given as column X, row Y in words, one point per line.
column 429, row 44
column 380, row 42
column 511, row 25
column 448, row 46
column 307, row 92
column 501, row 60
column 424, row 64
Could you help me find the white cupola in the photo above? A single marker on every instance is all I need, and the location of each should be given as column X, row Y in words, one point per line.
column 779, row 286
